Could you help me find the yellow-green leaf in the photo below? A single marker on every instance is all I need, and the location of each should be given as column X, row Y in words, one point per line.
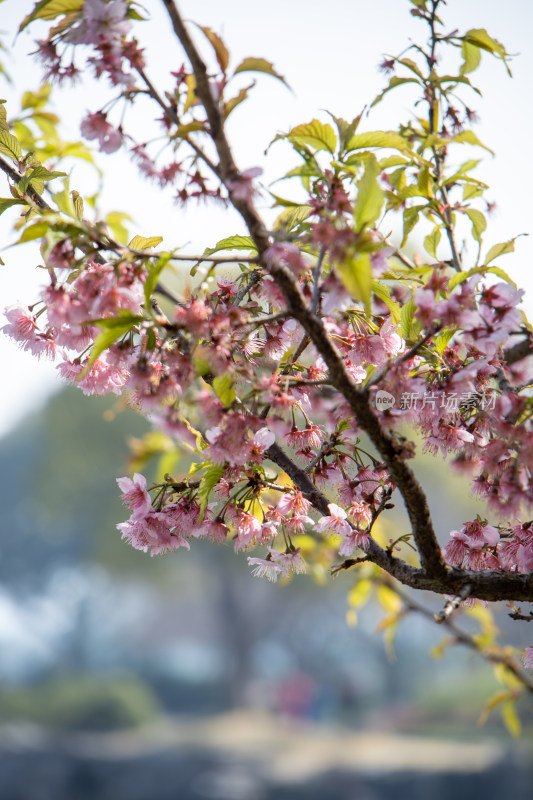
column 360, row 593
column 77, row 201
column 9, row 146
column 388, row 598
column 383, row 292
column 144, row 242
column 316, row 134
column 115, row 222
column 291, row 217
column 500, row 249
column 370, row 196
column 431, row 242
column 356, row 275
column 105, row 339
column 224, row 389
column 221, row 51
column 153, row 276
column 35, row 231
column 50, row 9
column 5, row 204
column 511, row 720
column 481, row 39
column 479, row 223
column 209, row 480
column 190, row 100
column 252, row 64
column 471, row 54
column 377, row 139
column 469, row 137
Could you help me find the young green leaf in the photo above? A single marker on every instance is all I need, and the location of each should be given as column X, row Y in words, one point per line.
column 5, row 204
column 316, row 134
column 500, row 249
column 153, row 276
column 481, row 39
column 144, row 242
column 377, row 139
column 224, row 389
column 431, row 242
column 259, row 65
column 370, row 196
column 479, row 223
column 356, row 275
column 10, row 146
column 50, row 9
column 221, row 51
column 471, row 57
column 209, row 480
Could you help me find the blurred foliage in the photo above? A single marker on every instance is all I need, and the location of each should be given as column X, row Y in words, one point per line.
column 81, row 703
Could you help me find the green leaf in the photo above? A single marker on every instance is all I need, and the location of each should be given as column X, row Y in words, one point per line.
column 9, row 146
column 114, row 329
column 153, row 276
column 224, row 389
column 144, row 242
column 209, row 480
column 441, row 340
column 377, row 139
column 5, row 204
column 3, row 118
column 35, row 231
column 77, row 201
column 115, row 222
column 471, row 57
column 410, row 218
column 232, row 243
column 291, row 217
column 259, row 65
column 469, row 137
column 511, row 720
column 232, row 103
column 431, row 242
column 38, row 99
column 500, row 249
column 356, row 275
column 461, row 277
column 316, row 134
column 406, row 314
column 221, row 51
column 393, row 83
column 125, row 318
column 481, row 39
column 50, row 9
column 383, row 292
column 472, row 190
column 45, row 174
column 346, row 129
column 370, row 196
column 479, row 223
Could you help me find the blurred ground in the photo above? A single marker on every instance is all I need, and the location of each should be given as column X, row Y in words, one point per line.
column 245, row 755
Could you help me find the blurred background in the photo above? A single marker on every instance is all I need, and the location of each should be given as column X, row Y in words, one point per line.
column 125, row 677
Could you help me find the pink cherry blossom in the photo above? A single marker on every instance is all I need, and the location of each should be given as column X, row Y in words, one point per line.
column 335, row 523
column 265, row 568
column 96, row 126
column 135, row 496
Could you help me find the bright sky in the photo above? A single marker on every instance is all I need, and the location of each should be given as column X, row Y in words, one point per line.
column 329, row 55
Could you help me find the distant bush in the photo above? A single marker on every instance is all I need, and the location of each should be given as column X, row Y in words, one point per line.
column 81, row 703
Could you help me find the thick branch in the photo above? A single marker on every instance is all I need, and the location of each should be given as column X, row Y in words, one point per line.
column 495, row 656
column 359, row 401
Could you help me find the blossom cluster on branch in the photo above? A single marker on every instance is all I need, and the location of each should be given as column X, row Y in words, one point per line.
column 300, row 359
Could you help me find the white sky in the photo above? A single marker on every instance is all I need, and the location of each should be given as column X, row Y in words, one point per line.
column 329, row 54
